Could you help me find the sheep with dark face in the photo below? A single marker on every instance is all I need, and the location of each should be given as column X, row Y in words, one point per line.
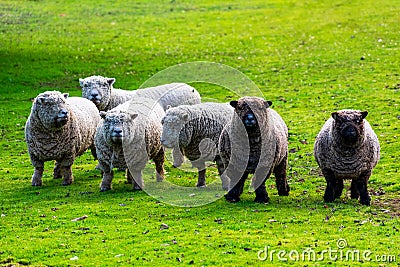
column 254, row 142
column 129, row 136
column 347, row 148
column 101, row 92
column 195, row 130
column 59, row 128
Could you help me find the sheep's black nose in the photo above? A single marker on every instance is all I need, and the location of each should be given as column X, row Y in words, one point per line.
column 250, row 120
column 94, row 94
column 63, row 113
column 117, row 130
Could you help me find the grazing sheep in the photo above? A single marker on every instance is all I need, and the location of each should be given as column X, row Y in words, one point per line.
column 347, row 148
column 128, row 136
column 255, row 141
column 100, row 91
column 59, row 128
column 195, row 130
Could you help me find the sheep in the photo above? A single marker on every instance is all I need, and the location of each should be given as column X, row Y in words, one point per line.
column 59, row 128
column 127, row 137
column 254, row 141
column 347, row 148
column 100, row 91
column 195, row 130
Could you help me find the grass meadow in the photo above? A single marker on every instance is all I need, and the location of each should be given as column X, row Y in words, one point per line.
column 309, row 58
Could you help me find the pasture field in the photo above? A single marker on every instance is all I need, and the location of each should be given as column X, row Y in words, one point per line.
column 309, row 58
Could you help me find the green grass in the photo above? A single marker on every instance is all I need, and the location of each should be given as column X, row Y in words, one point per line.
column 309, row 57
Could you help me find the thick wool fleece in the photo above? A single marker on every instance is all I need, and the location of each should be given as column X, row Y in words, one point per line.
column 195, row 130
column 340, row 159
column 260, row 148
column 59, row 128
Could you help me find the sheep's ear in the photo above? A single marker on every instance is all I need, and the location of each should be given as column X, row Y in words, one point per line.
column 364, row 114
column 41, row 100
column 66, row 95
column 110, row 81
column 234, row 103
column 81, row 82
column 267, row 104
column 335, row 115
column 103, row 114
column 133, row 116
column 185, row 116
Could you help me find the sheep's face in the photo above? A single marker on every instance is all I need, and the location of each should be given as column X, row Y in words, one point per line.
column 116, row 126
column 348, row 126
column 52, row 110
column 249, row 109
column 97, row 89
column 172, row 123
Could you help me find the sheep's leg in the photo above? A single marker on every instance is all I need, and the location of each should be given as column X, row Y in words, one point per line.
column 178, row 157
column 234, row 193
column 261, row 194
column 67, row 175
column 137, row 180
column 129, row 178
column 106, row 181
column 201, row 180
column 37, row 176
column 280, row 178
column 159, row 162
column 201, row 168
column 221, row 169
column 93, row 150
column 330, row 187
column 339, row 188
column 354, row 191
column 57, row 170
column 361, row 184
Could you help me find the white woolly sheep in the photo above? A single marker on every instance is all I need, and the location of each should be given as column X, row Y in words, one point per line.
column 100, row 91
column 347, row 148
column 255, row 141
column 195, row 130
column 127, row 137
column 59, row 128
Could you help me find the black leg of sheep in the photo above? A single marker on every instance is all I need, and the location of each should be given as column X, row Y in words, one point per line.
column 361, row 185
column 331, row 184
column 354, row 191
column 280, row 178
column 338, row 188
column 233, row 195
column 261, row 194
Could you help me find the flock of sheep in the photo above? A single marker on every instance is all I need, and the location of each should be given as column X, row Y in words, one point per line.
column 128, row 128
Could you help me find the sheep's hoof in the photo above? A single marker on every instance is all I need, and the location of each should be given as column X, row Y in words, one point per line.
column 104, row 189
column 66, row 183
column 36, row 183
column 231, row 199
column 137, row 187
column 262, row 200
column 201, row 185
column 366, row 202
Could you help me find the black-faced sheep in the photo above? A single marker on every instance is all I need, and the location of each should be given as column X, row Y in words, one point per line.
column 100, row 91
column 59, row 128
column 255, row 141
column 347, row 148
column 195, row 130
column 128, row 137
